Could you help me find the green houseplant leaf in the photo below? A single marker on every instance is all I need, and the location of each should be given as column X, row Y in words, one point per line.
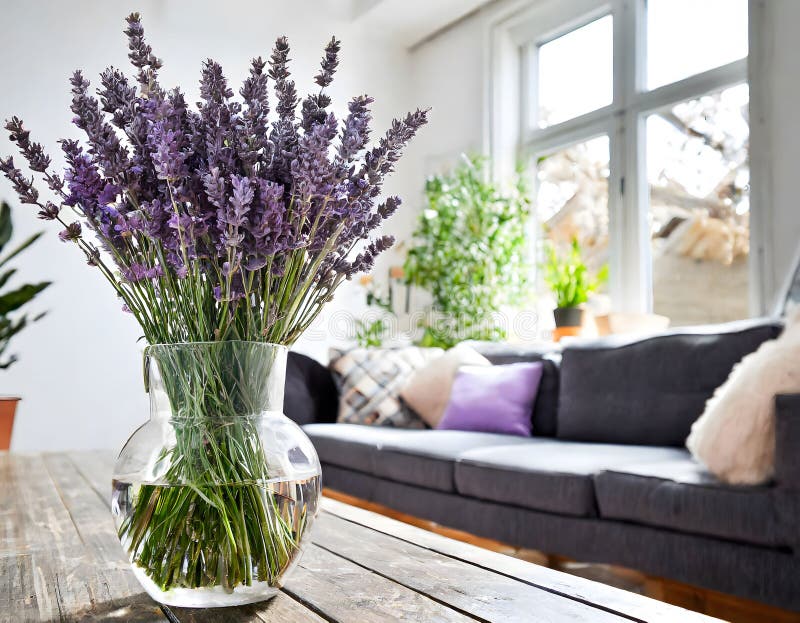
column 13, row 300
column 568, row 277
column 469, row 252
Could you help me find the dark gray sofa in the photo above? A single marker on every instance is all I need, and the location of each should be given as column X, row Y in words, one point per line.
column 605, row 478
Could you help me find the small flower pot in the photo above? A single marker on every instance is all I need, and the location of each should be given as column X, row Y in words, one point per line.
column 568, row 316
column 8, row 407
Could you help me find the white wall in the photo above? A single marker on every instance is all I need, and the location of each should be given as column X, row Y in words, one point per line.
column 79, row 371
column 447, row 74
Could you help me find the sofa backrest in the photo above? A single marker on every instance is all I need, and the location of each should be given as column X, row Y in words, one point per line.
column 545, row 408
column 649, row 391
column 310, row 394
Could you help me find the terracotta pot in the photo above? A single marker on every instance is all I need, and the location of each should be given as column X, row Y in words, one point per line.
column 568, row 316
column 8, row 407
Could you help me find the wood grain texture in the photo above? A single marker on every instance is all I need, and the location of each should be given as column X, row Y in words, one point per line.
column 481, row 593
column 634, row 606
column 60, row 561
column 75, row 573
column 343, row 591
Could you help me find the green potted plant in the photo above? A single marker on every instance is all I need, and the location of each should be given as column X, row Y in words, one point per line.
column 11, row 323
column 469, row 252
column 569, row 279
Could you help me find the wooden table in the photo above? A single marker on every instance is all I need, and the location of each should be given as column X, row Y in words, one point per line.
column 60, row 561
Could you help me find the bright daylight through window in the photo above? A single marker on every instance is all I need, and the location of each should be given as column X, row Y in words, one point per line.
column 668, row 124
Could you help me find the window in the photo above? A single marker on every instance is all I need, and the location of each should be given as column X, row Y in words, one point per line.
column 573, row 75
column 635, row 113
column 572, row 197
column 698, row 177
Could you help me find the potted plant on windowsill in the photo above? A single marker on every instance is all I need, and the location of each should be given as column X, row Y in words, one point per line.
column 11, row 301
column 569, row 279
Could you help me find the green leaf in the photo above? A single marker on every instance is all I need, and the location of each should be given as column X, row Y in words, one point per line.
column 6, row 276
column 469, row 250
column 6, row 228
column 17, row 298
column 20, row 248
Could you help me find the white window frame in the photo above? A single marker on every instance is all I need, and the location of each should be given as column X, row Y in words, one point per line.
column 513, row 38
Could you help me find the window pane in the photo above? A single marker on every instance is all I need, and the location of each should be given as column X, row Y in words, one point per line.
column 687, row 37
column 575, row 73
column 699, row 208
column 572, row 198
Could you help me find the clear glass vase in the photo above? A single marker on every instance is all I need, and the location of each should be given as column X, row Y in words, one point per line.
column 213, row 498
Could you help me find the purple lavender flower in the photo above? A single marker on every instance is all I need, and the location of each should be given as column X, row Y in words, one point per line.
column 104, row 142
column 72, row 232
column 313, row 107
column 329, row 63
column 232, row 219
column 284, row 130
column 25, row 189
column 137, row 272
column 215, row 190
column 33, row 152
column 355, row 134
column 117, row 97
column 49, row 212
column 312, row 171
column 251, row 130
column 168, row 158
column 141, row 55
column 83, row 180
column 246, row 210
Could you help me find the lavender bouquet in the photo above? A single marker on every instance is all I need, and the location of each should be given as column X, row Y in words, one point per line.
column 228, row 222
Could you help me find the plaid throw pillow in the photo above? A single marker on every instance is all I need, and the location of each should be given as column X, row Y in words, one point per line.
column 370, row 380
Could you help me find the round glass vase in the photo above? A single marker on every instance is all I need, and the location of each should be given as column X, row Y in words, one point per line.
column 213, row 498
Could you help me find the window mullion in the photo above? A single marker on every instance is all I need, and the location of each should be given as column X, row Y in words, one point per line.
column 630, row 285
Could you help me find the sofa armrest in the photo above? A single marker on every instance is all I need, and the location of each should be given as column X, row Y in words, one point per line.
column 787, row 467
column 787, row 440
column 310, row 394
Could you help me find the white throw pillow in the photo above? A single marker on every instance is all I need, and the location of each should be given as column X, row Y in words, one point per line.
column 427, row 392
column 735, row 436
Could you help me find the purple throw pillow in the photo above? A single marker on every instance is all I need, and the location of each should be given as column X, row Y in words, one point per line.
column 493, row 399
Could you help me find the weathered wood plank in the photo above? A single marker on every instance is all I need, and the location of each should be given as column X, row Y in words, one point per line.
column 17, row 590
column 106, row 574
column 342, row 591
column 60, row 560
column 622, row 602
column 17, row 584
column 48, row 536
column 96, row 467
column 484, row 594
column 12, row 538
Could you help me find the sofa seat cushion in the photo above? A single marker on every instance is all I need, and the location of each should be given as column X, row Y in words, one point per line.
column 424, row 458
column 546, row 475
column 679, row 494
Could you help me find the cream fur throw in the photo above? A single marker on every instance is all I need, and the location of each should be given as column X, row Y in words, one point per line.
column 735, row 436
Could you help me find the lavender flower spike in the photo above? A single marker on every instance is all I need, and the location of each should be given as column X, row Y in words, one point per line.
column 255, row 218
